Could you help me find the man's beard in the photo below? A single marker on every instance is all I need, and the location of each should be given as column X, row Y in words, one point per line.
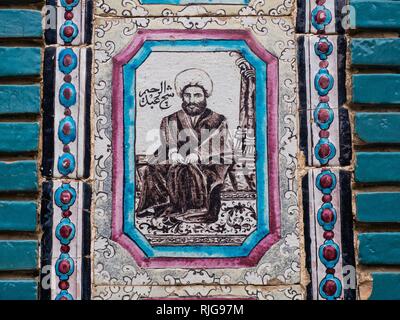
column 194, row 109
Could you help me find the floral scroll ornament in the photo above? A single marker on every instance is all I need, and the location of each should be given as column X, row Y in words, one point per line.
column 283, row 9
column 194, row 17
column 139, row 15
column 105, row 247
column 105, row 8
column 251, row 17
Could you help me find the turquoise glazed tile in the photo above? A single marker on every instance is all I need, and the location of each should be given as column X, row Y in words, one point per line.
column 375, row 52
column 20, row 24
column 379, row 248
column 17, row 137
column 18, row 215
column 376, row 88
column 21, row 289
column 17, row 62
column 378, row 127
column 378, row 207
column 18, row 255
column 377, row 167
column 385, row 286
column 378, row 14
column 19, row 99
column 18, row 176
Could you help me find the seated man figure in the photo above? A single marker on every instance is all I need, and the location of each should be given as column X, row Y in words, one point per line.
column 186, row 174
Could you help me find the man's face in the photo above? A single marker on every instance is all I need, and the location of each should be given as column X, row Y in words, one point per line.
column 194, row 100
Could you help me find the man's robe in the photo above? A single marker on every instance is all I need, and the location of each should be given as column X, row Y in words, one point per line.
column 191, row 189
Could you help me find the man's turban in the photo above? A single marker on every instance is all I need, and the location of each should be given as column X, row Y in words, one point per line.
column 193, row 77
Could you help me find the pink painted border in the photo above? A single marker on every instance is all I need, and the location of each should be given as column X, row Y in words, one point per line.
column 118, row 153
column 215, row 298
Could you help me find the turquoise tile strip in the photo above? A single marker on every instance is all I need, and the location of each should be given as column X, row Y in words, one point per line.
column 18, row 255
column 385, row 286
column 20, row 23
column 377, row 167
column 16, row 61
column 19, row 137
column 375, row 52
column 18, row 176
column 379, row 248
column 18, row 215
column 19, row 99
column 376, row 88
column 378, row 127
column 378, row 207
column 376, row 14
column 13, row 289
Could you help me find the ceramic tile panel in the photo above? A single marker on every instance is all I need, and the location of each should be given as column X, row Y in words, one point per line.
column 155, row 248
column 374, row 104
column 325, row 141
column 65, row 247
column 206, row 11
column 66, row 152
column 67, row 147
column 322, row 16
column 199, row 149
column 329, row 246
column 70, row 22
column 201, row 292
column 20, row 95
column 323, row 93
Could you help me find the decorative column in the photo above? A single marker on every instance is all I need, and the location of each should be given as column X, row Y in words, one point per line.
column 326, row 144
column 66, row 151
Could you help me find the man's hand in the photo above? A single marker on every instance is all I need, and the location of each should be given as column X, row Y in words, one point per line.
column 192, row 158
column 177, row 158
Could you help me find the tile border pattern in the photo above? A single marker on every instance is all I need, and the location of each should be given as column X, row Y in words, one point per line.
column 66, row 203
column 20, row 72
column 325, row 142
column 261, row 246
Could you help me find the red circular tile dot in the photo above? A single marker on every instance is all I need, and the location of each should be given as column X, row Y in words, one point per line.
column 68, row 78
column 64, row 249
column 67, row 93
column 324, row 134
column 323, row 47
column 328, row 235
column 330, row 287
column 68, row 31
column 66, row 129
column 64, row 266
column 324, row 150
column 68, row 15
column 330, row 271
column 323, row 115
column 66, row 196
column 321, row 16
column 327, row 215
column 65, row 231
column 67, row 60
column 329, row 253
column 63, row 285
column 324, row 82
column 66, row 214
column 324, row 64
column 66, row 163
column 326, row 181
column 324, row 99
column 326, row 198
